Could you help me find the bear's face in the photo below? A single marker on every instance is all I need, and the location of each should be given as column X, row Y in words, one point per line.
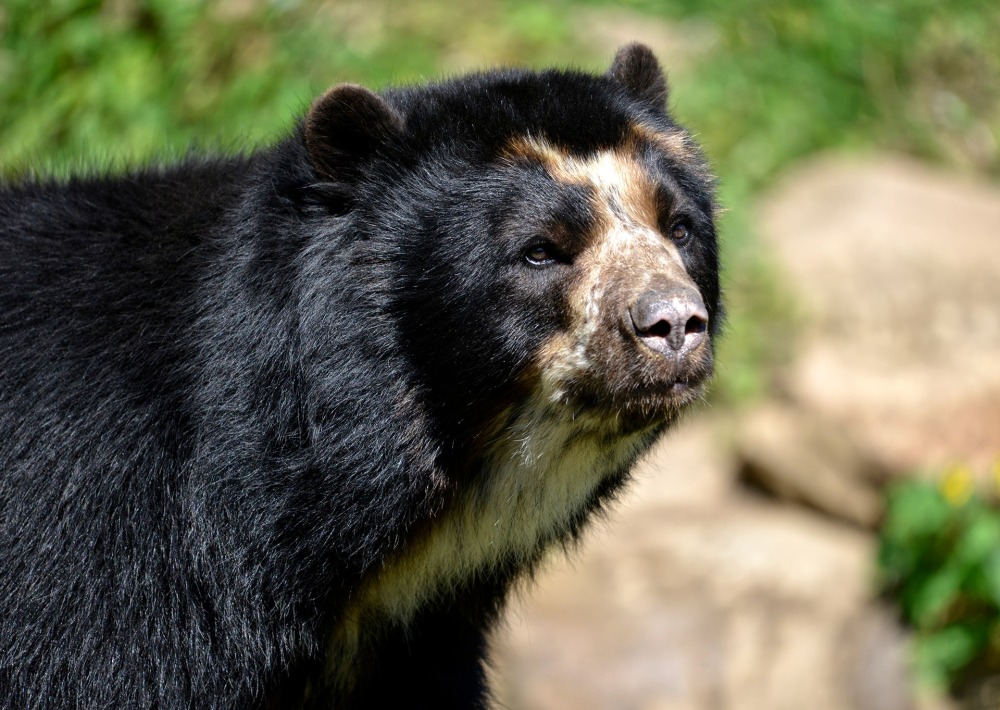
column 612, row 257
column 551, row 239
column 579, row 278
column 558, row 309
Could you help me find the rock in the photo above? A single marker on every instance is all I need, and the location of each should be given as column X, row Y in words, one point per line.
column 898, row 269
column 875, row 654
column 790, row 452
column 690, row 468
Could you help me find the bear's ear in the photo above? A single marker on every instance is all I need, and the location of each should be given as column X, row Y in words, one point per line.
column 635, row 68
column 345, row 127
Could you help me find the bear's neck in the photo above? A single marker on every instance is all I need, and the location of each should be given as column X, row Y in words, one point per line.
column 544, row 471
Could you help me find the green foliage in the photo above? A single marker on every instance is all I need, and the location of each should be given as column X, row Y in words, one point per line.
column 121, row 80
column 940, row 559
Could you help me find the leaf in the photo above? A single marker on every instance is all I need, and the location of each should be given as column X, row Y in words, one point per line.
column 939, row 656
column 933, row 599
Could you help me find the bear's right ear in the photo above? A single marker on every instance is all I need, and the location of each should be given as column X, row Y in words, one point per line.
column 345, row 127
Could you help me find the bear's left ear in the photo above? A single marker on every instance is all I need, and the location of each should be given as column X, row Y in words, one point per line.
column 635, row 68
column 347, row 126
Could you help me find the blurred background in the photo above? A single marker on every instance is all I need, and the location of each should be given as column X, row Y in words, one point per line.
column 824, row 532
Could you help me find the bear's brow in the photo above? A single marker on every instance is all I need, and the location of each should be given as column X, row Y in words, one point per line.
column 619, row 182
column 675, row 143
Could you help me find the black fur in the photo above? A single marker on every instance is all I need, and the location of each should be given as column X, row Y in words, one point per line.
column 230, row 388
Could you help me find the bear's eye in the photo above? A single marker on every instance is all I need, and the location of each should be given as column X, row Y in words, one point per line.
column 680, row 232
column 540, row 255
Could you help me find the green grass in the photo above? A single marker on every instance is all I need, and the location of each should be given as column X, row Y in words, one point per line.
column 85, row 81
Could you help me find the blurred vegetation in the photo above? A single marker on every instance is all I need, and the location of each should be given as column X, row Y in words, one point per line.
column 86, row 81
column 762, row 83
column 940, row 560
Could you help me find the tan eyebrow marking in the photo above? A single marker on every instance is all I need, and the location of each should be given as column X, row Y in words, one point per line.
column 622, row 189
column 675, row 143
column 682, row 147
column 625, row 245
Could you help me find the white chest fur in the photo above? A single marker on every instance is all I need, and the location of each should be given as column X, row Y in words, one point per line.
column 541, row 472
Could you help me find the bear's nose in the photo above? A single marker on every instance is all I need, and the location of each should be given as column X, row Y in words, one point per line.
column 671, row 321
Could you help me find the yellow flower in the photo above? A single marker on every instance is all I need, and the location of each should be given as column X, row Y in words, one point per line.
column 996, row 480
column 957, row 486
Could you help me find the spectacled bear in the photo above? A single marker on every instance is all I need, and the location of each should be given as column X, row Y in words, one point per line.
column 282, row 429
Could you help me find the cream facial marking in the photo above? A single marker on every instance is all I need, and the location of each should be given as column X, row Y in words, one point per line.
column 681, row 146
column 623, row 197
column 625, row 252
column 676, row 143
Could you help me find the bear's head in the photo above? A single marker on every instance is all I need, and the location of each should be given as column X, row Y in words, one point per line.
column 543, row 238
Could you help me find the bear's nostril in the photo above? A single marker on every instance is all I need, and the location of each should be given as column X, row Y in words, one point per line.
column 659, row 329
column 695, row 324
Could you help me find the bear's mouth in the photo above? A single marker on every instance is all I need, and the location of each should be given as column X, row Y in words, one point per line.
column 639, row 399
column 663, row 399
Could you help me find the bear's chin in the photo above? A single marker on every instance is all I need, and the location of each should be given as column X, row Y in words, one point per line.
column 653, row 406
column 644, row 393
column 634, row 409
